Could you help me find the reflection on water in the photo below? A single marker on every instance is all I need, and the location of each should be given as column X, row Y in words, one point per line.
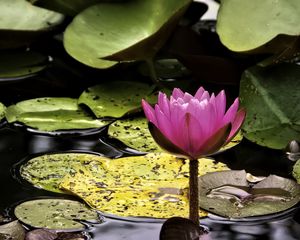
column 16, row 145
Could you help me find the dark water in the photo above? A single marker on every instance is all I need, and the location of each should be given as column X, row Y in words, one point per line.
column 16, row 145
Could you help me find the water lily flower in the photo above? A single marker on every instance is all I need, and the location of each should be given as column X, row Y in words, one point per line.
column 193, row 126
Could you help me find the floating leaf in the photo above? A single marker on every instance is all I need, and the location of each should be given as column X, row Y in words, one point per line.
column 46, row 171
column 96, row 33
column 19, row 65
column 296, row 171
column 115, row 99
column 12, row 231
column 69, row 7
column 58, row 214
column 229, row 194
column 154, row 185
column 21, row 23
column 51, row 114
column 271, row 97
column 134, row 133
column 246, row 25
column 2, row 111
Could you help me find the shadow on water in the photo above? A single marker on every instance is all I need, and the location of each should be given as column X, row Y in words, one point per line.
column 16, row 145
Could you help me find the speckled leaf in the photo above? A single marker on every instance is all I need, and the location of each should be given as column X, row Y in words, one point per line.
column 58, row 214
column 271, row 97
column 115, row 99
column 18, row 65
column 46, row 171
column 96, row 33
column 21, row 23
column 229, row 194
column 134, row 133
column 154, row 185
column 2, row 111
column 51, row 114
column 246, row 25
column 12, row 231
column 296, row 171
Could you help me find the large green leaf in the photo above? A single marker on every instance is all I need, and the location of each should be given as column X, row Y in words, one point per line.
column 17, row 65
column 69, row 7
column 2, row 111
column 57, row 214
column 115, row 99
column 229, row 194
column 122, row 31
column 20, row 22
column 51, row 114
column 271, row 97
column 134, row 133
column 246, row 25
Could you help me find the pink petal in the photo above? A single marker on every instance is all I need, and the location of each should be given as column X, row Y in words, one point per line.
column 231, row 112
column 199, row 93
column 206, row 118
column 220, row 105
column 205, row 95
column 164, row 104
column 177, row 93
column 187, row 97
column 237, row 123
column 163, row 123
column 149, row 112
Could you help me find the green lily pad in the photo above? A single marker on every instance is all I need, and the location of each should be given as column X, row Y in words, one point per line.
column 21, row 23
column 47, row 171
column 154, row 185
column 122, row 31
column 12, row 231
column 68, row 7
column 52, row 114
column 134, row 133
column 271, row 99
column 18, row 65
column 2, row 111
column 58, row 214
column 296, row 171
column 247, row 25
column 229, row 194
column 115, row 99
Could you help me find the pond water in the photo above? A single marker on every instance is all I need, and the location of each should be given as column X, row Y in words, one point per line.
column 16, row 145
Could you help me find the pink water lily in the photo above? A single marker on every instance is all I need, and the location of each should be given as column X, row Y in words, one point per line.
column 193, row 126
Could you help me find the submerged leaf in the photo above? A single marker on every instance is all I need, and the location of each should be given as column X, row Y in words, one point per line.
column 271, row 97
column 51, row 114
column 229, row 194
column 122, row 31
column 115, row 99
column 19, row 65
column 12, row 231
column 58, row 214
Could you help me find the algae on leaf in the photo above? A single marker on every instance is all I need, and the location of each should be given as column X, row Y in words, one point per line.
column 56, row 214
column 52, row 114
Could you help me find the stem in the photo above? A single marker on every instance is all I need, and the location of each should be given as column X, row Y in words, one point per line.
column 193, row 188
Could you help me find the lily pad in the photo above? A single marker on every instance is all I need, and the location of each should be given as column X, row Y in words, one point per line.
column 47, row 171
column 58, row 214
column 52, row 114
column 154, row 185
column 96, row 33
column 21, row 23
column 247, row 25
column 296, row 171
column 18, row 65
column 115, row 99
column 12, row 231
column 134, row 133
column 229, row 194
column 2, row 111
column 271, row 99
